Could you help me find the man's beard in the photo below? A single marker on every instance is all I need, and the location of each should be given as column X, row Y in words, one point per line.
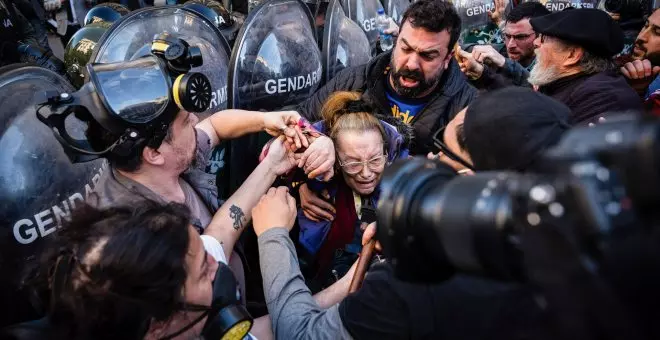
column 186, row 159
column 422, row 86
column 543, row 75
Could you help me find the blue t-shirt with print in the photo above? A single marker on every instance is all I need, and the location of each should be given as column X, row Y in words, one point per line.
column 404, row 108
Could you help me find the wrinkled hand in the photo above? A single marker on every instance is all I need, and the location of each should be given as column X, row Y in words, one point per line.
column 319, row 158
column 486, row 54
column 640, row 73
column 497, row 15
column 52, row 5
column 279, row 159
column 369, row 234
column 285, row 123
column 315, row 208
column 276, row 208
column 468, row 64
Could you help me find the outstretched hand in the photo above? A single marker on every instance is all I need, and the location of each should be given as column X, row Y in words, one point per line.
column 285, row 123
column 276, row 208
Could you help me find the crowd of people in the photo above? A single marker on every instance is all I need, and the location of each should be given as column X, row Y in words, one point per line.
column 143, row 258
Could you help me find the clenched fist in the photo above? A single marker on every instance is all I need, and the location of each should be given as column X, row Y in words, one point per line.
column 276, row 208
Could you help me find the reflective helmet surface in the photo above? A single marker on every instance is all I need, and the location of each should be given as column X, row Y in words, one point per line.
column 78, row 51
column 107, row 12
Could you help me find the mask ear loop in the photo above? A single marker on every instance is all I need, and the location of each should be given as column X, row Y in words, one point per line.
column 193, row 308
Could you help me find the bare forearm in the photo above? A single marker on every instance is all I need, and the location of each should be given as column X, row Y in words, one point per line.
column 230, row 124
column 232, row 217
column 333, row 294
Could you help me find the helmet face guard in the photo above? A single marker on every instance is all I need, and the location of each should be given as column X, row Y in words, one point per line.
column 136, row 100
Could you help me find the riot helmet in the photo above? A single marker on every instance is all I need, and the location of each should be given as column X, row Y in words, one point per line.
column 131, row 38
column 78, row 51
column 108, row 12
column 344, row 43
column 218, row 14
column 136, row 100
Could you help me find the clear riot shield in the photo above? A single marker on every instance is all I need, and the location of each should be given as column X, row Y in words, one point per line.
column 364, row 12
column 477, row 28
column 396, row 8
column 344, row 43
column 275, row 63
column 131, row 38
column 560, row 5
column 39, row 187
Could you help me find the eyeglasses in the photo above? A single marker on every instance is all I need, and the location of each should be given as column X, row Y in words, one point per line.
column 374, row 164
column 438, row 141
column 517, row 37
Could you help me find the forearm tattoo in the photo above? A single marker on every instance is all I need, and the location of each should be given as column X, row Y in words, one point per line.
column 238, row 216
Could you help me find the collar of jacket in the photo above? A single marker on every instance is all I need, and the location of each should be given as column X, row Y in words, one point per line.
column 531, row 65
column 378, row 68
column 562, row 83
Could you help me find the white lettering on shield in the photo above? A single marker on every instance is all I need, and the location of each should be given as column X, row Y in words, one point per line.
column 369, row 24
column 218, row 97
column 483, row 9
column 48, row 220
column 284, row 85
column 560, row 6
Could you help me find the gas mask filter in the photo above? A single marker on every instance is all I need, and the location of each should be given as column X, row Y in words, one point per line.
column 136, row 100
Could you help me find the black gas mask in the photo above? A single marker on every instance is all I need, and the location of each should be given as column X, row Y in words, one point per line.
column 226, row 319
column 136, row 100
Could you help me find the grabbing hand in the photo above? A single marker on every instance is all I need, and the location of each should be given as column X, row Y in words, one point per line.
column 497, row 14
column 486, row 54
column 52, row 5
column 369, row 234
column 640, row 73
column 276, row 208
column 314, row 207
column 279, row 159
column 285, row 123
column 468, row 64
column 319, row 158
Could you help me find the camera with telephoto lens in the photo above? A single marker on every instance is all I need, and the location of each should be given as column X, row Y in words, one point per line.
column 595, row 182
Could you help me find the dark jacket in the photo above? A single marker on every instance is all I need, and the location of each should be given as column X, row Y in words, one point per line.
column 452, row 95
column 511, row 74
column 591, row 95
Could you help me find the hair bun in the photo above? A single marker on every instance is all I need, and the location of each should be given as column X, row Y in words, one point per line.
column 359, row 105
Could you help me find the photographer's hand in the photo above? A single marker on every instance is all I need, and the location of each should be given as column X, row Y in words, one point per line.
column 369, row 234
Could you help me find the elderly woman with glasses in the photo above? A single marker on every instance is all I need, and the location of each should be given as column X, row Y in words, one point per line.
column 365, row 144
